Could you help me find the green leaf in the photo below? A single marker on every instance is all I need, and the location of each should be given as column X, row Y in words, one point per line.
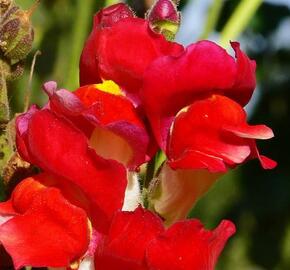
column 239, row 21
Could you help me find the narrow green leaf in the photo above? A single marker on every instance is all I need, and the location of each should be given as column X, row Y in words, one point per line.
column 239, row 21
column 79, row 34
column 213, row 16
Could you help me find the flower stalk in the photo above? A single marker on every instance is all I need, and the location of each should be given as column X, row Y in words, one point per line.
column 4, row 106
column 6, row 148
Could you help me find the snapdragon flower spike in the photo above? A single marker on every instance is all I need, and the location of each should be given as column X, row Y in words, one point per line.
column 57, row 147
column 138, row 241
column 43, row 227
column 107, row 117
column 118, row 57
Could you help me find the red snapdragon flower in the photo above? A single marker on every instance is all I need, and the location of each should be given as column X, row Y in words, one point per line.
column 208, row 88
column 192, row 97
column 138, row 241
column 120, row 48
column 108, row 119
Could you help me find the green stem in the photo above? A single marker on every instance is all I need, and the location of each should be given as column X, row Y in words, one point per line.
column 213, row 15
column 161, row 157
column 150, row 170
column 4, row 104
column 239, row 21
column 153, row 166
column 6, row 146
column 79, row 35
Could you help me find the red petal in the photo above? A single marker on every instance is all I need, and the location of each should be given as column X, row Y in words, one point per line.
column 110, row 15
column 89, row 70
column 129, row 235
column 7, row 209
column 25, row 192
column 196, row 159
column 245, row 79
column 187, row 245
column 21, row 132
column 266, row 163
column 171, row 83
column 126, row 49
column 59, row 148
column 216, row 128
column 261, row 132
column 51, row 233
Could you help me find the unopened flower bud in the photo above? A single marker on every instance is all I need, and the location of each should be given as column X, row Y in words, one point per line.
column 16, row 32
column 164, row 18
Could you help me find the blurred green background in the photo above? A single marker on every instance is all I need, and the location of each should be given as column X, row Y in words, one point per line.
column 257, row 201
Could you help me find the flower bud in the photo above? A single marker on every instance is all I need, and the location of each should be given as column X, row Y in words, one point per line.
column 16, row 32
column 164, row 18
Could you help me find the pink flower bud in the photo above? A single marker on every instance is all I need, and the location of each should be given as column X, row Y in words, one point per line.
column 164, row 10
column 164, row 18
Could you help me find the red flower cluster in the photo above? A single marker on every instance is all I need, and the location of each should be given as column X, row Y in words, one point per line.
column 138, row 92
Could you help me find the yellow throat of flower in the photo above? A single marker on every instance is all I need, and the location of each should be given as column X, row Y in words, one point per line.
column 109, row 87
